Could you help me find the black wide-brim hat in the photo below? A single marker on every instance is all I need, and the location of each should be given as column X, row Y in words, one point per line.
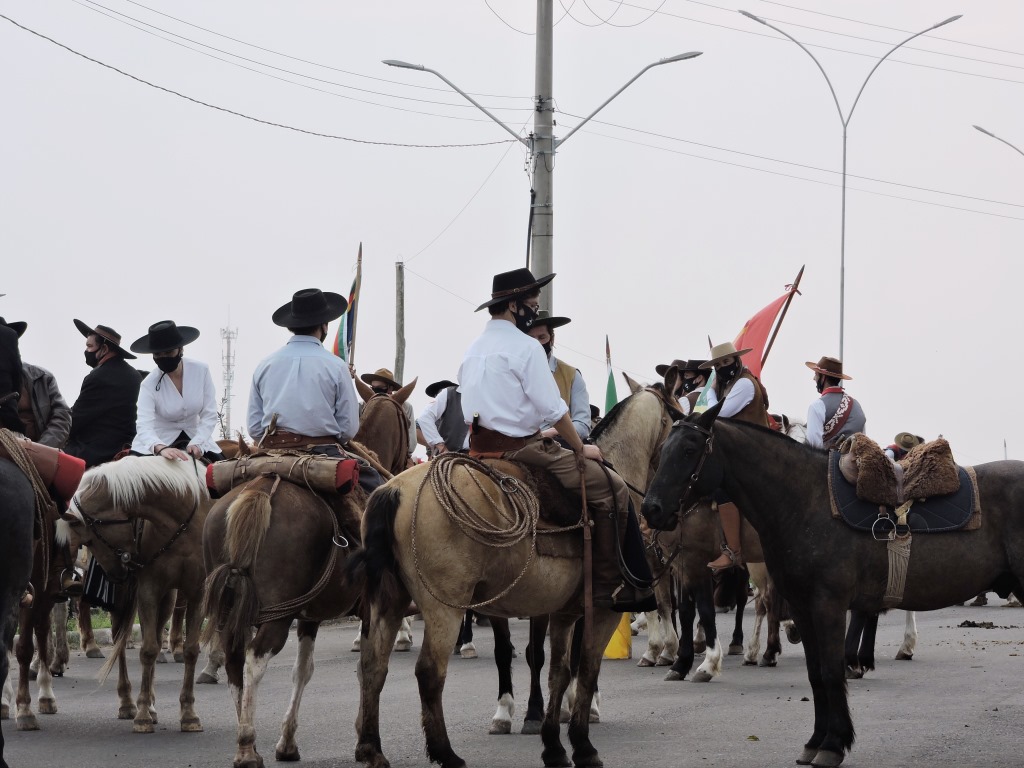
column 662, row 368
column 433, row 390
column 108, row 334
column 510, row 285
column 551, row 321
column 18, row 327
column 309, row 307
column 165, row 336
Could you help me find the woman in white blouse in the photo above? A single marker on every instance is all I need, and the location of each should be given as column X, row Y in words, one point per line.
column 177, row 409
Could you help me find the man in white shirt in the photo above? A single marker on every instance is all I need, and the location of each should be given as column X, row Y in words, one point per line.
column 508, row 394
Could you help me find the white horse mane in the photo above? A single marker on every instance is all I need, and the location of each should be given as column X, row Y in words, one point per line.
column 130, row 479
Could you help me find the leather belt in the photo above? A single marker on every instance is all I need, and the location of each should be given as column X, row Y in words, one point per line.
column 282, row 439
column 483, row 440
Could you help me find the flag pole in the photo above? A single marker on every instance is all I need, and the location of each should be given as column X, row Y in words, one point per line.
column 782, row 315
column 354, row 317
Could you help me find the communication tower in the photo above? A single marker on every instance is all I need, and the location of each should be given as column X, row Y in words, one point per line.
column 228, row 336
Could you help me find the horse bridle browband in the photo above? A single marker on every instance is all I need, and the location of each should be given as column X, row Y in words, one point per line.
column 709, row 445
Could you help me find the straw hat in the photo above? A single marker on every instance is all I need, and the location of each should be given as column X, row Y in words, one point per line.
column 721, row 351
column 906, row 440
column 381, row 374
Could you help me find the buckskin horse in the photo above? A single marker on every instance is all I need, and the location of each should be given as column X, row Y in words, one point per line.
column 418, row 545
column 822, row 566
column 276, row 552
column 17, row 512
column 142, row 517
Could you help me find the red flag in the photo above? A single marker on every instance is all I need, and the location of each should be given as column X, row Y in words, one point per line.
column 756, row 331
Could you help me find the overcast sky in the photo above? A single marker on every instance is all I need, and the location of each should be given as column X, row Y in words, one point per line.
column 692, row 204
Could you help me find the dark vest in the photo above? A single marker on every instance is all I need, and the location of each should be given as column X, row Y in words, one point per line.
column 756, row 411
column 855, row 422
column 453, row 426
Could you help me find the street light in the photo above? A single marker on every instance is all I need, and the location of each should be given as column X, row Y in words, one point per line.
column 541, row 233
column 846, row 122
column 989, row 133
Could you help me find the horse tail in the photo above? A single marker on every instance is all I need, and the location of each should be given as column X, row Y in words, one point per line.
column 375, row 566
column 248, row 519
column 230, row 607
column 125, row 609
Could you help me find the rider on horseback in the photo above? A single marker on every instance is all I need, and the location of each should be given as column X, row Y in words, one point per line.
column 443, row 427
column 835, row 414
column 508, row 394
column 745, row 400
column 571, row 386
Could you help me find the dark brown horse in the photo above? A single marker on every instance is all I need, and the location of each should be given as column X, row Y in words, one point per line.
column 143, row 517
column 821, row 566
column 276, row 553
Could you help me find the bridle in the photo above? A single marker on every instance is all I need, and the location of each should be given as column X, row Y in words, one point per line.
column 709, row 444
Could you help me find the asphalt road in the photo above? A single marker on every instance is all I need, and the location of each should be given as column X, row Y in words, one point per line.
column 960, row 702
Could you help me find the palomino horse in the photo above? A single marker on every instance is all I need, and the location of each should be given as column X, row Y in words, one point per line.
column 17, row 511
column 820, row 565
column 143, row 517
column 419, row 545
column 276, row 552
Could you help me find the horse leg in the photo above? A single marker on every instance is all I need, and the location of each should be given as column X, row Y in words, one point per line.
column 441, row 627
column 684, row 658
column 854, row 632
column 866, row 655
column 176, row 642
column 584, row 754
column 23, row 649
column 822, row 628
column 287, row 749
column 61, row 654
column 554, row 753
column 773, row 644
column 88, row 640
column 535, row 661
column 754, row 644
column 267, row 643
column 46, row 703
column 502, row 721
column 712, row 664
column 378, row 636
column 126, row 708
column 214, row 661
column 466, row 648
column 736, row 646
column 190, row 655
column 575, row 653
column 8, row 693
column 906, row 651
column 404, row 640
column 154, row 612
column 700, row 639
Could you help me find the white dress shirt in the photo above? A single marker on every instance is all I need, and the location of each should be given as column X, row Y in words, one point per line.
column 816, row 424
column 505, row 378
column 165, row 413
column 739, row 397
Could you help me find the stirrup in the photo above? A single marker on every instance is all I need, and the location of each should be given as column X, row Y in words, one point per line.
column 733, row 560
column 71, row 582
column 28, row 597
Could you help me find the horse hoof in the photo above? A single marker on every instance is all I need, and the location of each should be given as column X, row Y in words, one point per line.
column 854, row 674
column 556, row 759
column 665, row 661
column 500, row 727
column 793, row 634
column 468, row 651
column 161, row 658
column 531, row 727
column 827, row 759
column 701, row 677
column 289, row 755
column 94, row 653
column 595, row 717
column 673, row 676
column 127, row 713
column 5, row 711
column 144, row 727
column 749, row 662
column 735, row 650
column 27, row 723
column 768, row 663
column 47, row 707
column 979, row 601
column 193, row 725
column 645, row 662
column 205, row 678
column 806, row 756
column 179, row 657
column 904, row 656
column 403, row 645
column 57, row 672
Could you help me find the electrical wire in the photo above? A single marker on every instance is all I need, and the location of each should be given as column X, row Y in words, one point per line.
column 240, row 114
column 516, row 29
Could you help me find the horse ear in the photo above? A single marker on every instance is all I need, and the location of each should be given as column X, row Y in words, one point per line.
column 671, row 380
column 403, row 394
column 707, row 419
column 363, row 389
column 634, row 386
column 243, row 447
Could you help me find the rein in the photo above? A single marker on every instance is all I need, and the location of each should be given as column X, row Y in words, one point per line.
column 709, row 445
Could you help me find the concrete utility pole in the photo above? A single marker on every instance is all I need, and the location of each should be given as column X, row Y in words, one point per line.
column 542, row 143
column 399, row 319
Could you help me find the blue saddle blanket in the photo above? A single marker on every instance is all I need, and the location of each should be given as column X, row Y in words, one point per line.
column 953, row 512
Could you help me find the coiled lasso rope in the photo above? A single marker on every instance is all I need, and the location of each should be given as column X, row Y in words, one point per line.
column 516, row 520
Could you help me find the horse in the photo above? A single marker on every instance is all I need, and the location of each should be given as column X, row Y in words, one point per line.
column 143, row 518
column 276, row 552
column 859, row 647
column 17, row 515
column 821, row 566
column 413, row 549
column 384, row 426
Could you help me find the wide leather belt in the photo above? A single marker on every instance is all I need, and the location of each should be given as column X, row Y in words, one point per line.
column 483, row 440
column 282, row 439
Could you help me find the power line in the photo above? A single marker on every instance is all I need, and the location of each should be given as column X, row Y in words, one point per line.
column 240, row 114
column 795, row 164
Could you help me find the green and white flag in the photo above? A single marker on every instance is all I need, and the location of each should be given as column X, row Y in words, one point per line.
column 611, row 397
column 702, row 401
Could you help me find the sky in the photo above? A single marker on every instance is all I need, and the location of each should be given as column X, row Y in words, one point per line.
column 688, row 204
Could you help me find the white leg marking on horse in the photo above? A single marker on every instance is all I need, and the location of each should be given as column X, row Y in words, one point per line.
column 46, row 703
column 754, row 643
column 404, row 640
column 302, row 672
column 501, row 723
column 251, row 676
column 909, row 635
column 359, row 636
column 712, row 665
column 595, row 708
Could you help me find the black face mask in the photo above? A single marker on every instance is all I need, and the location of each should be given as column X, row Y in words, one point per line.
column 91, row 358
column 380, row 390
column 728, row 372
column 688, row 385
column 547, row 348
column 525, row 316
column 819, row 384
column 168, row 364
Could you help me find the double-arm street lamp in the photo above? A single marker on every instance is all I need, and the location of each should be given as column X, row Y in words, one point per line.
column 845, row 120
column 542, row 143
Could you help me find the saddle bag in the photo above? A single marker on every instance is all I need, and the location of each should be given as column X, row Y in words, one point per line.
column 324, row 474
column 60, row 470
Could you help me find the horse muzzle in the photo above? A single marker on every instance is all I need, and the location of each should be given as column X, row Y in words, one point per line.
column 656, row 516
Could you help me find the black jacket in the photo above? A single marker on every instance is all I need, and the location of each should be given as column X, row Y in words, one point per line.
column 103, row 416
column 10, row 378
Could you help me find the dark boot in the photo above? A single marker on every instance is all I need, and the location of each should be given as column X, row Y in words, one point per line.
column 609, row 589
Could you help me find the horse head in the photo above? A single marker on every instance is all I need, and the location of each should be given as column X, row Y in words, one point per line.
column 403, row 394
column 634, row 386
column 688, row 470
